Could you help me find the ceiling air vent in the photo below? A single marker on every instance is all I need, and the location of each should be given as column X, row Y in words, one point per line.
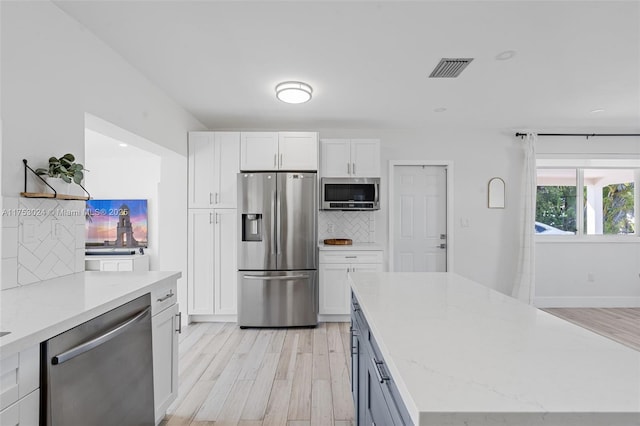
column 450, row 67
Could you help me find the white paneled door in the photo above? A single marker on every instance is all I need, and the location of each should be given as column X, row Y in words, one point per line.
column 420, row 218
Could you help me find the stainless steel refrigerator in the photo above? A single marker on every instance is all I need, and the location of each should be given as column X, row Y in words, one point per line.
column 277, row 250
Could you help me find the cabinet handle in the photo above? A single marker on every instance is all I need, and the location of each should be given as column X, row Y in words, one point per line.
column 280, row 160
column 217, row 197
column 353, row 168
column 210, row 217
column 210, row 198
column 275, row 160
column 351, row 257
column 378, row 365
column 179, row 315
column 348, row 168
column 168, row 296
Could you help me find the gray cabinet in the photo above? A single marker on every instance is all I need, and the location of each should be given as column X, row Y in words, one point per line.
column 375, row 395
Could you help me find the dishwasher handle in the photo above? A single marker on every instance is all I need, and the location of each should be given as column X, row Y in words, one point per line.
column 103, row 338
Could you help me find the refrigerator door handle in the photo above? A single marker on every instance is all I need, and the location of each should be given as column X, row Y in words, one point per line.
column 274, row 231
column 276, row 278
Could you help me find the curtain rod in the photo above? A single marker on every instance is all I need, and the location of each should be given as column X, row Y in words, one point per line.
column 586, row 135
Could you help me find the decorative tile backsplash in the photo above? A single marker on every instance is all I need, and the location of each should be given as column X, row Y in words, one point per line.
column 358, row 226
column 41, row 239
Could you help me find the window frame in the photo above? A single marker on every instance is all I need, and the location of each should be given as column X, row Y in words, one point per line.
column 580, row 165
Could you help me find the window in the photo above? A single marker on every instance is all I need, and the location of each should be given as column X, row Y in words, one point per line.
column 606, row 197
column 556, row 201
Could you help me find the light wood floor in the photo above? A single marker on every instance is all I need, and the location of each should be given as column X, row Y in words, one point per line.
column 251, row 377
column 619, row 324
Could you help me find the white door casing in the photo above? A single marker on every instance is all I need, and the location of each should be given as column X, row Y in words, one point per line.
column 420, row 216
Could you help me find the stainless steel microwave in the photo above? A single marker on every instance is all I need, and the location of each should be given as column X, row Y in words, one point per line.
column 350, row 193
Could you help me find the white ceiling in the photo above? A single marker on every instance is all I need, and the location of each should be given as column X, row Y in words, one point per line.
column 368, row 62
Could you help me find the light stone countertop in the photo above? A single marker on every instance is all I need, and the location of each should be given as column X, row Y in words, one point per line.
column 36, row 312
column 354, row 246
column 463, row 354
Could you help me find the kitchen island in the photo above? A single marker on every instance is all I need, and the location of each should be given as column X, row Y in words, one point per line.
column 458, row 353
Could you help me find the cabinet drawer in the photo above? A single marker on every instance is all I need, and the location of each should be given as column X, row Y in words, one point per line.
column 351, row 256
column 163, row 296
column 19, row 375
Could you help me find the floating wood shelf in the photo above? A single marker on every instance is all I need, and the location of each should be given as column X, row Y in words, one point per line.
column 57, row 196
column 48, row 194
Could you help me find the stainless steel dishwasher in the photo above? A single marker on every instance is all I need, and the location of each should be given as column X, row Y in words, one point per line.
column 101, row 372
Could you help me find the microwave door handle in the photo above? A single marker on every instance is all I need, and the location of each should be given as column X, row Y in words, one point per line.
column 375, row 187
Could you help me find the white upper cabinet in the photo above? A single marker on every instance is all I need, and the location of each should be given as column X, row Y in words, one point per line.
column 350, row 158
column 259, row 151
column 279, row 151
column 298, row 150
column 214, row 161
column 365, row 157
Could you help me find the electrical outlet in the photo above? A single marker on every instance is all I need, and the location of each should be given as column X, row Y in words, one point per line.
column 330, row 228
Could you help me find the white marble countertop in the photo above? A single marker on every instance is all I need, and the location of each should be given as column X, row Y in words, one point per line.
column 463, row 354
column 354, row 246
column 34, row 313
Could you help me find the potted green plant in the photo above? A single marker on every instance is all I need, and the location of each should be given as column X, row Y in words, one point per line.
column 64, row 174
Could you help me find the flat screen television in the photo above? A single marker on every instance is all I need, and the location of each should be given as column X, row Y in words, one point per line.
column 116, row 224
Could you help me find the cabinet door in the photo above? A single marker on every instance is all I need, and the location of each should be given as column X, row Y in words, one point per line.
column 377, row 411
column 355, row 367
column 165, row 359
column 298, row 151
column 25, row 412
column 335, row 158
column 228, row 165
column 201, row 169
column 200, row 254
column 116, row 265
column 258, row 151
column 365, row 157
column 334, row 289
column 226, row 265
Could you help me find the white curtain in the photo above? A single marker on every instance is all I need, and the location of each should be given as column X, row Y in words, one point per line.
column 525, row 280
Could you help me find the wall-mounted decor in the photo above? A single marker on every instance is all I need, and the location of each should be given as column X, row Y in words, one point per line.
column 496, row 193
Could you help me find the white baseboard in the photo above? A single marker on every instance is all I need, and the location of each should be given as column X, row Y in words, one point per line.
column 213, row 318
column 334, row 318
column 587, row 302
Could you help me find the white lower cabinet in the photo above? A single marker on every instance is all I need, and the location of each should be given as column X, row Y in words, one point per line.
column 25, row 412
column 135, row 262
column 19, row 393
column 212, row 265
column 166, row 326
column 334, row 267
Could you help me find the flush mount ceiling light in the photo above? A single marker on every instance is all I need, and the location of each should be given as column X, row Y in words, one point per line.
column 293, row 92
column 124, row 145
column 595, row 111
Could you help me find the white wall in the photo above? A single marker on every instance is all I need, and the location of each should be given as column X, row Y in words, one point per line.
column 486, row 250
column 53, row 71
column 587, row 274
